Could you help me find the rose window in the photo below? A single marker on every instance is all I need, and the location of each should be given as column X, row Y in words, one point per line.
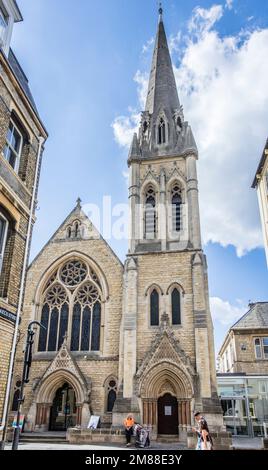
column 73, row 273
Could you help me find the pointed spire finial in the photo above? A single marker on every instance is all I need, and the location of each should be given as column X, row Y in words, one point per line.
column 78, row 203
column 160, row 11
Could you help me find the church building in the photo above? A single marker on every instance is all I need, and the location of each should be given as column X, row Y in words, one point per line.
column 136, row 337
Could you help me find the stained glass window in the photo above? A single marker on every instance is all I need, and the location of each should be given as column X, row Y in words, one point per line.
column 95, row 340
column 176, row 307
column 73, row 273
column 85, row 334
column 53, row 330
column 80, row 302
column 111, row 395
column 63, row 323
column 43, row 331
column 154, row 308
column 76, row 327
column 111, row 400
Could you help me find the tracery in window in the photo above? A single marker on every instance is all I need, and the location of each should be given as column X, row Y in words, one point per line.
column 73, row 273
column 72, row 305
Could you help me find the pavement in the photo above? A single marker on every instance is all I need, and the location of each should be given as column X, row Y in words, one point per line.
column 238, row 443
column 87, row 447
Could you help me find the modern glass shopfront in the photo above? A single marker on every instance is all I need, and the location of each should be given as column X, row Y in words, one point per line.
column 244, row 400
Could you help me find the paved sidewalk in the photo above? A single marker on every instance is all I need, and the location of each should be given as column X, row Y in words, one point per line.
column 48, row 446
column 247, row 443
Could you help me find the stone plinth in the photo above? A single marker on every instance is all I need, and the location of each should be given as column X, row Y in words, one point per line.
column 87, row 436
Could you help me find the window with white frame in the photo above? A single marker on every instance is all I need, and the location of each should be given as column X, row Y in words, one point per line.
column 13, row 147
column 3, row 24
column 261, row 347
column 3, row 238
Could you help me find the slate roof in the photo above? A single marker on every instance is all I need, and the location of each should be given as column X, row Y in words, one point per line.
column 21, row 77
column 255, row 318
column 162, row 89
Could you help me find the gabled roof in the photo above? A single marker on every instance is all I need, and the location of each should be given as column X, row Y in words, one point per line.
column 255, row 318
column 79, row 214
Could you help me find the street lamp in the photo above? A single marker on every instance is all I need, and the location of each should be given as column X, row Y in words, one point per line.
column 25, row 379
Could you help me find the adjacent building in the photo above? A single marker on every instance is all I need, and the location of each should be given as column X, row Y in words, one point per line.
column 261, row 184
column 243, row 373
column 136, row 337
column 22, row 136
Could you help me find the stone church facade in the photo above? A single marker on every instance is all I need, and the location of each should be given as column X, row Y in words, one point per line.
column 136, row 337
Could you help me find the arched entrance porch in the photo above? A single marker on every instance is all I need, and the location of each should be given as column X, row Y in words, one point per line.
column 60, row 402
column 166, row 392
column 63, row 413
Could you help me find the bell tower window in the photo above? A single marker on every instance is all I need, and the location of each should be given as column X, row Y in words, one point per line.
column 150, row 213
column 176, row 201
column 161, row 132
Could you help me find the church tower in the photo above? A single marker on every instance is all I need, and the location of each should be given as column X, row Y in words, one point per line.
column 167, row 362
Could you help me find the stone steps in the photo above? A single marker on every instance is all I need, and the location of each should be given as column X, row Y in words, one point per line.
column 167, row 438
column 47, row 438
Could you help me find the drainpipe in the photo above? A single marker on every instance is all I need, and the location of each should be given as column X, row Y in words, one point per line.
column 21, row 294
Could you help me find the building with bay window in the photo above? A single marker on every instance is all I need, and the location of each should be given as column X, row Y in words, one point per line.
column 22, row 136
column 243, row 373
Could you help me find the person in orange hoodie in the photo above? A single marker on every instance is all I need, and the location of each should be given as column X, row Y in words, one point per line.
column 129, row 425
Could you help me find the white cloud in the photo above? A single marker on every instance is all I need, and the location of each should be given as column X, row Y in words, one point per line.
column 222, row 84
column 146, row 47
column 124, row 127
column 203, row 19
column 225, row 313
column 229, row 4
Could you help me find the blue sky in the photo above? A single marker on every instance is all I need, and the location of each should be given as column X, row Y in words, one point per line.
column 81, row 59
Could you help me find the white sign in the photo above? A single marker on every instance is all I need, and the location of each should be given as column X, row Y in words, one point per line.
column 168, row 410
column 93, row 422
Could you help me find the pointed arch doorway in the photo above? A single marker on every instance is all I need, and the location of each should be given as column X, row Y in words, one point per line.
column 167, row 411
column 63, row 413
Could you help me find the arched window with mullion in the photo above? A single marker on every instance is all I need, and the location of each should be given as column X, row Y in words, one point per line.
column 176, row 306
column 161, row 137
column 150, row 213
column 176, row 203
column 154, row 308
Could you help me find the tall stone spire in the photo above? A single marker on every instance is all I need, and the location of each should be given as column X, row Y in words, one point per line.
column 163, row 130
column 162, row 90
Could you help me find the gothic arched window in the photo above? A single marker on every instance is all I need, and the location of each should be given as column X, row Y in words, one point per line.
column 150, row 213
column 15, row 402
column 111, row 395
column 154, row 308
column 176, row 202
column 176, row 307
column 54, row 318
column 76, row 229
column 72, row 305
column 86, row 319
column 161, row 132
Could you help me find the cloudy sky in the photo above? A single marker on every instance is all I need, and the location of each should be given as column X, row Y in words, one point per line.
column 88, row 64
